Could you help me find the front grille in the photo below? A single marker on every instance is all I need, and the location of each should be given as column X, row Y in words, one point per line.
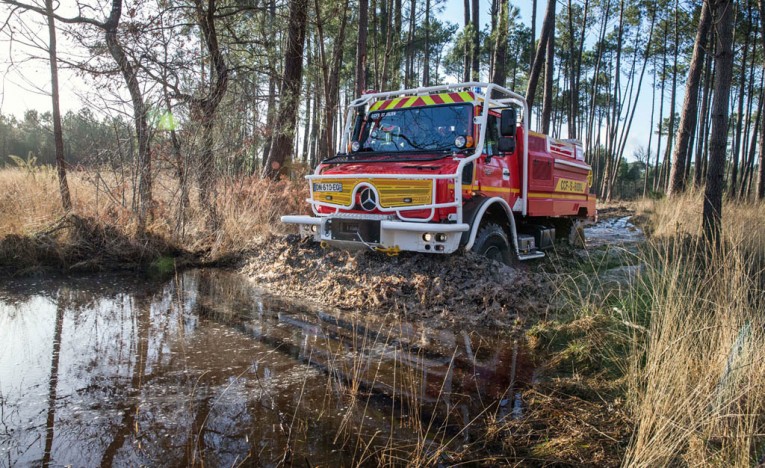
column 393, row 193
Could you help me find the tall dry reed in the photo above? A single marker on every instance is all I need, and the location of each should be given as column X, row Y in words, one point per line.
column 697, row 380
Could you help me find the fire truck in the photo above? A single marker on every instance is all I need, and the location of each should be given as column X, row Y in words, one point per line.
column 443, row 168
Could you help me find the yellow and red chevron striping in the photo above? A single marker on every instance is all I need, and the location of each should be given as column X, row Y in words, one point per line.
column 419, row 101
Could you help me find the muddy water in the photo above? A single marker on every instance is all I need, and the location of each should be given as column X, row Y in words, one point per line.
column 613, row 232
column 205, row 369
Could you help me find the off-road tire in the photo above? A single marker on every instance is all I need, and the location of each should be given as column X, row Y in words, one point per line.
column 491, row 242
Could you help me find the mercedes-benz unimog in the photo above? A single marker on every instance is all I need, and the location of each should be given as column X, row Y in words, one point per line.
column 444, row 168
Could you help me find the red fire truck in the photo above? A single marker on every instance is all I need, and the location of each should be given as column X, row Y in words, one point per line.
column 449, row 167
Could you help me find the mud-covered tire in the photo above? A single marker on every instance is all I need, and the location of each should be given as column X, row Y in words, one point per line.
column 491, row 242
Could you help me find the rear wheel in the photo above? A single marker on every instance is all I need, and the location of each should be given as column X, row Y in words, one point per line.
column 491, row 242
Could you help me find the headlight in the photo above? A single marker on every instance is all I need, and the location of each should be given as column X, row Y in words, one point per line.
column 460, row 141
column 355, row 146
column 427, row 237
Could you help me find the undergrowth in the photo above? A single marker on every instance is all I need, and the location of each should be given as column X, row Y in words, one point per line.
column 679, row 343
column 101, row 230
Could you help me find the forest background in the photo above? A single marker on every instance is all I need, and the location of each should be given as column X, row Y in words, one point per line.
column 203, row 93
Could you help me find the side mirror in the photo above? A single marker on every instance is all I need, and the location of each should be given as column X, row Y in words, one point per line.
column 507, row 144
column 508, row 122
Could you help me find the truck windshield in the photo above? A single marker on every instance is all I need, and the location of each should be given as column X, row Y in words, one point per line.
column 434, row 128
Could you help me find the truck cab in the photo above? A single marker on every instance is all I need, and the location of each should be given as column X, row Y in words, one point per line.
column 444, row 168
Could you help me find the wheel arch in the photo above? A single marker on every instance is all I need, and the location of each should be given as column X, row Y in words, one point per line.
column 497, row 210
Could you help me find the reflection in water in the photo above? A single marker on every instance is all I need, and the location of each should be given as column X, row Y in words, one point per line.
column 206, row 370
column 53, row 383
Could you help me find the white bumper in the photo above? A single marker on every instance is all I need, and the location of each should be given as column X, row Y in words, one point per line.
column 393, row 235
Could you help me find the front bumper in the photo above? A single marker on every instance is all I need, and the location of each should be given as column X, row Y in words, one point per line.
column 380, row 233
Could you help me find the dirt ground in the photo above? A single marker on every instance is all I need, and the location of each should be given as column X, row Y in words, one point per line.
column 444, row 290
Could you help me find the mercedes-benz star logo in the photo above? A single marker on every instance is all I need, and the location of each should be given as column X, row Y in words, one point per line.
column 368, row 199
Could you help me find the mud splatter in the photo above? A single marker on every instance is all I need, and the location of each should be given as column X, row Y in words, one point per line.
column 443, row 289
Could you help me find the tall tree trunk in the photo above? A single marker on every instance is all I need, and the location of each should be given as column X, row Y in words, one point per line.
column 271, row 107
column 650, row 136
column 387, row 33
column 656, row 173
column 672, row 104
column 476, row 51
column 331, row 75
column 533, row 32
column 493, row 14
column 290, row 102
column 130, row 74
column 500, row 47
column 468, row 46
column 426, row 58
column 615, row 111
column 375, row 40
column 409, row 72
column 315, row 125
column 591, row 144
column 739, row 115
column 746, row 182
column 307, row 127
column 204, row 109
column 396, row 44
column 578, row 74
column 702, row 147
column 722, row 11
column 361, row 48
column 539, row 57
column 547, row 100
column 761, row 144
column 572, row 101
column 58, row 135
column 690, row 104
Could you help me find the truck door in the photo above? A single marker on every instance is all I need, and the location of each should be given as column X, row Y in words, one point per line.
column 493, row 171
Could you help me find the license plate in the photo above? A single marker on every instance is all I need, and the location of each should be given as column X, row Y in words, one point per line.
column 328, row 187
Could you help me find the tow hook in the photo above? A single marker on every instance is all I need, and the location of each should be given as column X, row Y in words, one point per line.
column 389, row 251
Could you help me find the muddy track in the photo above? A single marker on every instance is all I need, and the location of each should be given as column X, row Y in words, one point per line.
column 451, row 289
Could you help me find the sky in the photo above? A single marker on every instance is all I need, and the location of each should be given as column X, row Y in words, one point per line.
column 25, row 84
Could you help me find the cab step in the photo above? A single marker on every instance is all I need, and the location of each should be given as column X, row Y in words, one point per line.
column 527, row 248
column 531, row 255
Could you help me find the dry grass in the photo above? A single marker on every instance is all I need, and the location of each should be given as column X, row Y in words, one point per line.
column 682, row 217
column 682, row 344
column 30, row 210
column 698, row 378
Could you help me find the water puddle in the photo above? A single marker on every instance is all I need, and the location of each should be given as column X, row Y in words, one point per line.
column 613, row 232
column 205, row 369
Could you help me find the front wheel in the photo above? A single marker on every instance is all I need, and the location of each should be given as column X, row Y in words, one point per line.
column 491, row 242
